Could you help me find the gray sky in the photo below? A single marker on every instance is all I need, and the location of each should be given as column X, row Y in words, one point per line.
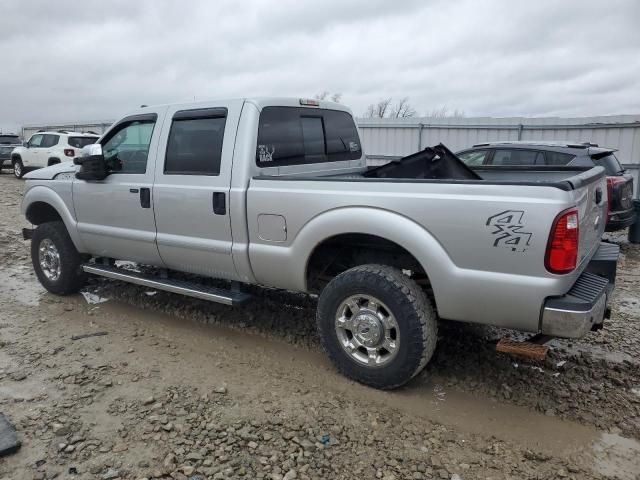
column 93, row 60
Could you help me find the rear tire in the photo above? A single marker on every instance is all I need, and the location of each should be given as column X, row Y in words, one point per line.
column 377, row 326
column 18, row 168
column 57, row 263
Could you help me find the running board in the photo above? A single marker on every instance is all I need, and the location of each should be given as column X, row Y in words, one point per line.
column 190, row 289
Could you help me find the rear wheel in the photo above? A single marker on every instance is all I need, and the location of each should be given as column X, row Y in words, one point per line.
column 18, row 168
column 57, row 263
column 377, row 325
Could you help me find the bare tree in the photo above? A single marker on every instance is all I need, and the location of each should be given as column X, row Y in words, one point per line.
column 444, row 112
column 402, row 109
column 324, row 95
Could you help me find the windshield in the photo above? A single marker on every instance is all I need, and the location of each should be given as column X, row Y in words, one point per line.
column 609, row 162
column 79, row 142
column 9, row 140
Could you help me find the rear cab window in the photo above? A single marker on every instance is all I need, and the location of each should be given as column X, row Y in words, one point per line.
column 298, row 135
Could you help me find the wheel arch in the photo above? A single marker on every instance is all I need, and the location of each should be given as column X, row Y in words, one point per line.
column 41, row 204
column 287, row 266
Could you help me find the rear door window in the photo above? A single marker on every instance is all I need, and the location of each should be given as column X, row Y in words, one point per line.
column 517, row 157
column 557, row 158
column 474, row 158
column 195, row 143
column 50, row 140
column 294, row 136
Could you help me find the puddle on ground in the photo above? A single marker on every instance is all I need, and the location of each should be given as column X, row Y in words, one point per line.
column 617, row 456
column 18, row 284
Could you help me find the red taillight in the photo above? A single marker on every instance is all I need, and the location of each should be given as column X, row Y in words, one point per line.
column 562, row 249
column 612, row 182
column 69, row 152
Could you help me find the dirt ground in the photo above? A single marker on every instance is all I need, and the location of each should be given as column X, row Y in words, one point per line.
column 185, row 389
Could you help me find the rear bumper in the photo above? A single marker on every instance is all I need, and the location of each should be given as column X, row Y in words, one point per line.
column 584, row 307
column 620, row 219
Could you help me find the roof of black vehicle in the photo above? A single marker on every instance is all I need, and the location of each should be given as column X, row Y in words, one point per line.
column 574, row 148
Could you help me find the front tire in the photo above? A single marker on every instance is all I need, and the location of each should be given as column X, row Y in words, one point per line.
column 377, row 326
column 57, row 263
column 18, row 168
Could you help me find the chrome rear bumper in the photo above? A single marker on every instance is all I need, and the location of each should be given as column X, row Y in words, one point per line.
column 584, row 307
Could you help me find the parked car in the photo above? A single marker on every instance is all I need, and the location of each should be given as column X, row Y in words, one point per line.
column 619, row 184
column 48, row 148
column 8, row 141
column 275, row 192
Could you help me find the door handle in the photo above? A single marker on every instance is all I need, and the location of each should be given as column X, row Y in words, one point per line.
column 145, row 197
column 219, row 203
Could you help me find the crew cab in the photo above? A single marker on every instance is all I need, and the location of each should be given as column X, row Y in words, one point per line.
column 46, row 148
column 620, row 214
column 275, row 192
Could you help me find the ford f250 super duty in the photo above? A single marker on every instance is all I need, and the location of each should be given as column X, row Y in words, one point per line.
column 275, row 192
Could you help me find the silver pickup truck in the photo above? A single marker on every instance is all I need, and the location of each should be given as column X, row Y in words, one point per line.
column 275, row 192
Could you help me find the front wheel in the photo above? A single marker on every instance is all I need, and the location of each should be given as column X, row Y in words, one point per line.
column 377, row 325
column 18, row 168
column 57, row 263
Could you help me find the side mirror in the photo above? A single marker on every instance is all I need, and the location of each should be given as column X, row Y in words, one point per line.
column 25, row 144
column 92, row 163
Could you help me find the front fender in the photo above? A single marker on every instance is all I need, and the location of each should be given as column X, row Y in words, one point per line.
column 42, row 193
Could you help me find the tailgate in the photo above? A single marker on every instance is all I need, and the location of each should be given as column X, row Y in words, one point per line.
column 590, row 195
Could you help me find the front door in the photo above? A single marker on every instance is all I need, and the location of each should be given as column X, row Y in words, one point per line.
column 115, row 215
column 31, row 157
column 191, row 189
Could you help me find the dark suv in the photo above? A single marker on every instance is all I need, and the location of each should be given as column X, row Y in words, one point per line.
column 8, row 141
column 619, row 183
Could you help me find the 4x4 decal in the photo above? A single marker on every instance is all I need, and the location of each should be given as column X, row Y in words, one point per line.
column 507, row 230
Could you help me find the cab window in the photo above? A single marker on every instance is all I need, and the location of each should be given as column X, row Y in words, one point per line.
column 126, row 148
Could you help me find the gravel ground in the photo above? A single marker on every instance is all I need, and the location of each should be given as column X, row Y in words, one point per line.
column 185, row 389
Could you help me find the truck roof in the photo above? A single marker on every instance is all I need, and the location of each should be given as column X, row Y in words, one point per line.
column 259, row 102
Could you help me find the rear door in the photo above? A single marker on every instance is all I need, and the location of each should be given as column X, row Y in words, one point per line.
column 115, row 215
column 191, row 190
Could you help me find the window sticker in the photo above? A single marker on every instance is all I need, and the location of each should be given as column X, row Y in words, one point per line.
column 354, row 147
column 265, row 153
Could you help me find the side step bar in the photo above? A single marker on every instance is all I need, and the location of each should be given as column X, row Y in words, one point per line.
column 190, row 289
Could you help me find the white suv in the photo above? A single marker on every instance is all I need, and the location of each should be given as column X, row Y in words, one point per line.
column 48, row 148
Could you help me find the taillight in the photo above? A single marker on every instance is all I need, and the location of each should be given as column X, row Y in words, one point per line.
column 69, row 152
column 562, row 249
